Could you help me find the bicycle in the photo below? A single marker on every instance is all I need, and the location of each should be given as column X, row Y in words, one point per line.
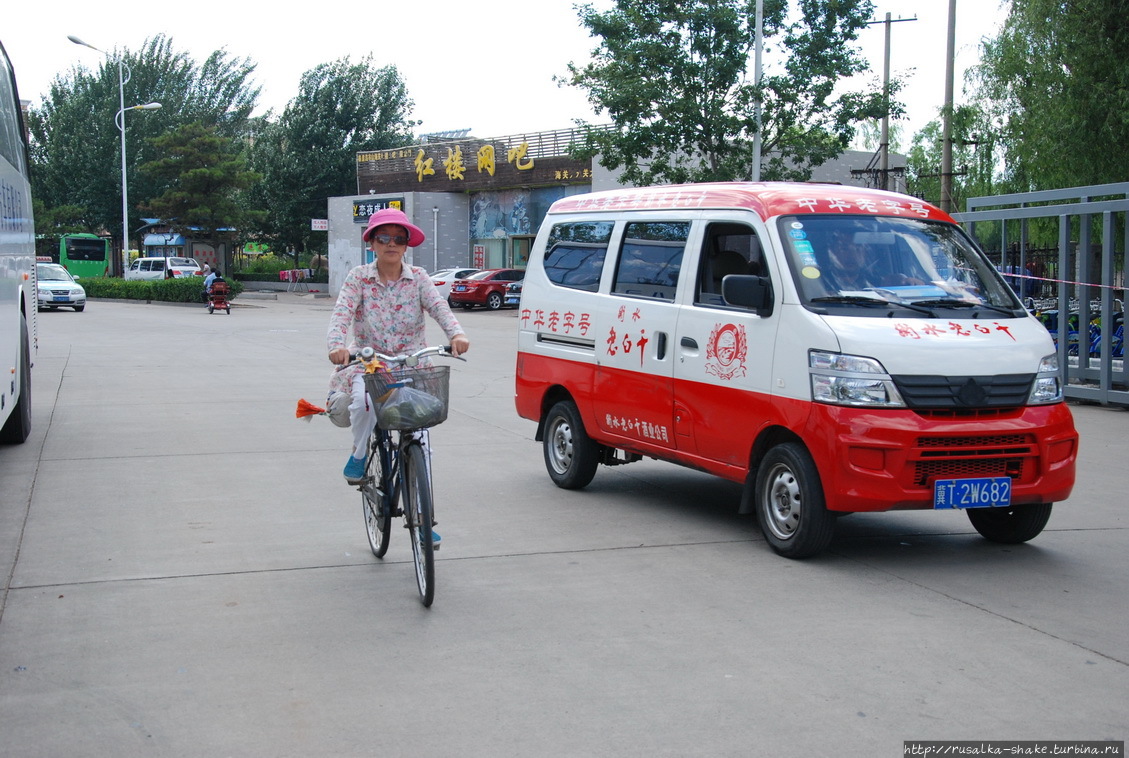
column 409, row 399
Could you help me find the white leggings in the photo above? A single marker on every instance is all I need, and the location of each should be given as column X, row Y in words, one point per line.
column 362, row 420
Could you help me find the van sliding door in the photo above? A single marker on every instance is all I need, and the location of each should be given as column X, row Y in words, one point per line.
column 633, row 396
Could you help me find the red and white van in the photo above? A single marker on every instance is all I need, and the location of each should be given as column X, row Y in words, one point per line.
column 835, row 349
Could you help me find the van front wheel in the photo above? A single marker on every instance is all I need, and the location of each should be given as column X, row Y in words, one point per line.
column 790, row 504
column 571, row 456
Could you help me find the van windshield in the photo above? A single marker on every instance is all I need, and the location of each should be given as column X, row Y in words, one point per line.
column 873, row 262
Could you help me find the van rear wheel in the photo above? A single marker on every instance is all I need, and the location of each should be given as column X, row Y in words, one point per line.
column 571, row 456
column 1011, row 525
column 790, row 504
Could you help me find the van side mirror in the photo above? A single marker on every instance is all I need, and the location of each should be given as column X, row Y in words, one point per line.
column 754, row 292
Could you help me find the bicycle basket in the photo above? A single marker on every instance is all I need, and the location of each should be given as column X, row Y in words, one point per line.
column 409, row 398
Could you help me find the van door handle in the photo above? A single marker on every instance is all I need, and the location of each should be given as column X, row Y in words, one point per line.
column 690, row 342
column 660, row 347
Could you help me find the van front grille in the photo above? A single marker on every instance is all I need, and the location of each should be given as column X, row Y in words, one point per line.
column 960, row 392
column 963, row 456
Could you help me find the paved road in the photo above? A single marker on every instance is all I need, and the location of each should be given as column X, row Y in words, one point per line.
column 187, row 575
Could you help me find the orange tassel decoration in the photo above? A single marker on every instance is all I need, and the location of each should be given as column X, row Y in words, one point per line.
column 307, row 409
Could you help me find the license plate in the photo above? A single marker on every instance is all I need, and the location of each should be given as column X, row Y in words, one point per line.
column 61, row 298
column 986, row 492
column 460, row 288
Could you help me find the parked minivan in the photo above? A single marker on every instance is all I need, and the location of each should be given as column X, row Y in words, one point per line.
column 162, row 268
column 834, row 349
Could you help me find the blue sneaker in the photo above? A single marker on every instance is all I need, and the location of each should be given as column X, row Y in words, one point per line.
column 435, row 540
column 354, row 470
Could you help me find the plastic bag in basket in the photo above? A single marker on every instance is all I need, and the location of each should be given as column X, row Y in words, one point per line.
column 409, row 408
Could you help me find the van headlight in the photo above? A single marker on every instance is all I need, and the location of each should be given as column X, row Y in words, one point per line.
column 1048, row 384
column 854, row 380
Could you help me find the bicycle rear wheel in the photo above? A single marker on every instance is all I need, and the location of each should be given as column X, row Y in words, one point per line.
column 378, row 498
column 417, row 513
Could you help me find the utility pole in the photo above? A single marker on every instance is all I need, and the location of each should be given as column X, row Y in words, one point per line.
column 884, row 147
column 758, row 48
column 947, row 116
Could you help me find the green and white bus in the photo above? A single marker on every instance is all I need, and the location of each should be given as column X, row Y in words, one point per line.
column 85, row 255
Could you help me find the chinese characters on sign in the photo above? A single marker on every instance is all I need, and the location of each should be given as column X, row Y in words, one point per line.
column 556, row 321
column 626, row 340
column 932, row 330
column 471, row 164
column 634, row 426
column 455, row 168
column 362, row 209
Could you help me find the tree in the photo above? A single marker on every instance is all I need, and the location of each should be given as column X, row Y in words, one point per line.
column 1055, row 82
column 75, row 150
column 673, row 76
column 203, row 171
column 974, row 158
column 310, row 153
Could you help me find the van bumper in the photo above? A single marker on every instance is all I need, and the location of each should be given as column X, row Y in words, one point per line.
column 880, row 460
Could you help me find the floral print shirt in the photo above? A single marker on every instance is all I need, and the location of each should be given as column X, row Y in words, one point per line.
column 386, row 317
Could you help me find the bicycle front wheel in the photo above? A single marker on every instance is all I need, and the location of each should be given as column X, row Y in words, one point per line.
column 417, row 513
column 377, row 499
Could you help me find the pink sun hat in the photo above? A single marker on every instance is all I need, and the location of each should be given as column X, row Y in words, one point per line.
column 394, row 216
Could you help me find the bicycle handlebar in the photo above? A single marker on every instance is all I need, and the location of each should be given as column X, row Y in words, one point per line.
column 367, row 354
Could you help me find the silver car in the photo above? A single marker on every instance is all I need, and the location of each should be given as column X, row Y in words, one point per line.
column 57, row 288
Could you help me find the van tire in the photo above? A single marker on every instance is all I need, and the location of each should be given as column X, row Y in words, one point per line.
column 1012, row 525
column 18, row 427
column 571, row 457
column 789, row 503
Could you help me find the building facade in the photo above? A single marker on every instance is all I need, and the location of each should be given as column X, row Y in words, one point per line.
column 480, row 201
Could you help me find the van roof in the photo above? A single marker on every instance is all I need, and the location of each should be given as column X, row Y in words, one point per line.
column 767, row 199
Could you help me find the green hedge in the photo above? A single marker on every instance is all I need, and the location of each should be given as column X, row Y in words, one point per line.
column 184, row 290
column 321, row 277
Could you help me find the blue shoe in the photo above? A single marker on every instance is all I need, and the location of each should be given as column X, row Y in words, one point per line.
column 435, row 540
column 354, row 470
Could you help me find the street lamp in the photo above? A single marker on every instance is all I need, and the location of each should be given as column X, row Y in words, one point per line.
column 119, row 121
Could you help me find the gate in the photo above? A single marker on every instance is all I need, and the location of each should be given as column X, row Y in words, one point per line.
column 1074, row 285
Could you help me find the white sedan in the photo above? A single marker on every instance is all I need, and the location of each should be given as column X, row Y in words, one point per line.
column 57, row 288
column 443, row 279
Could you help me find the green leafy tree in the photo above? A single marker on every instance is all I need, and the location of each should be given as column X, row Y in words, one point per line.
column 1056, row 84
column 675, row 78
column 309, row 154
column 204, row 173
column 76, row 144
column 975, row 153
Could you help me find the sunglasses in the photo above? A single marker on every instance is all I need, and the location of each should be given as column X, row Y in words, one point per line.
column 390, row 239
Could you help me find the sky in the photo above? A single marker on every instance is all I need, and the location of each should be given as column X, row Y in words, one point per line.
column 485, row 66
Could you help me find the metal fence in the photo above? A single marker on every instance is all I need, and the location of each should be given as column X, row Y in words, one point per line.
column 1064, row 252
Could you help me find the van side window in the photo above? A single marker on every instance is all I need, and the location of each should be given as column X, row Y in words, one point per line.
column 650, row 259
column 729, row 249
column 575, row 252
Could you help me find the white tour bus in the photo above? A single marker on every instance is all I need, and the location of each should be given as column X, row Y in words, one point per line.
column 18, row 299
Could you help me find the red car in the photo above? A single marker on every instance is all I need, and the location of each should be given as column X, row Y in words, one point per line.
column 487, row 287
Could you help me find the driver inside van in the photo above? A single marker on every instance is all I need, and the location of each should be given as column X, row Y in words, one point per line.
column 855, row 267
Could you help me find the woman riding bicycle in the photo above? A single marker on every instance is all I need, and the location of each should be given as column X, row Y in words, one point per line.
column 383, row 303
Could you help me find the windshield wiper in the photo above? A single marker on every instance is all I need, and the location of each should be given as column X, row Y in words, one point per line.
column 953, row 303
column 862, row 300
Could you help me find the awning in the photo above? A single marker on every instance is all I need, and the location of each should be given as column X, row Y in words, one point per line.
column 164, row 240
